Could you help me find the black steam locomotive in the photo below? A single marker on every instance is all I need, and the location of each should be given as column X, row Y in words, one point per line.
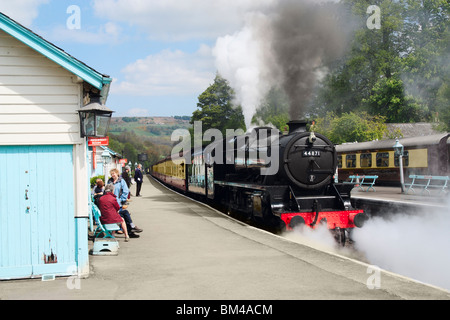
column 279, row 181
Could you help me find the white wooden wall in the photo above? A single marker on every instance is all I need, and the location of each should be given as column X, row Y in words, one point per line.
column 38, row 98
column 38, row 106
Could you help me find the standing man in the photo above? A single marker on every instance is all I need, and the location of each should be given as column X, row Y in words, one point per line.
column 138, row 177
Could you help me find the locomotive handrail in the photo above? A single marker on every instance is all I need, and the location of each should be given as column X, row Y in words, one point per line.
column 427, row 181
column 315, row 147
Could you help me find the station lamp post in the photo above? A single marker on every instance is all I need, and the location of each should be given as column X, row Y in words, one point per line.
column 398, row 149
column 106, row 161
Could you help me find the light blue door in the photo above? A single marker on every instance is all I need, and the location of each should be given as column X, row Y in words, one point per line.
column 37, row 227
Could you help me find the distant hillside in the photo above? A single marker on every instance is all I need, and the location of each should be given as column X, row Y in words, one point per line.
column 156, row 129
column 149, row 135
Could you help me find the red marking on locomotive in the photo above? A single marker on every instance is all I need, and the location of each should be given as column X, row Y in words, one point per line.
column 335, row 219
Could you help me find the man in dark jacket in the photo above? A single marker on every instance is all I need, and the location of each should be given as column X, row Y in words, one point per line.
column 138, row 177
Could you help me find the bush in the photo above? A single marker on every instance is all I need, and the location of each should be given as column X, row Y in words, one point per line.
column 94, row 180
column 351, row 127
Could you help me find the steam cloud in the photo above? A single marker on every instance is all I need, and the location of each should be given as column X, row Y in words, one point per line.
column 416, row 246
column 412, row 244
column 288, row 48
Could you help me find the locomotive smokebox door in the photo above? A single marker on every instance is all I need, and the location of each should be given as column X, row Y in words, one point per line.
column 309, row 160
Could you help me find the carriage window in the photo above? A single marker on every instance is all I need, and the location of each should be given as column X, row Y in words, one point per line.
column 382, row 159
column 405, row 159
column 350, row 160
column 366, row 160
column 339, row 158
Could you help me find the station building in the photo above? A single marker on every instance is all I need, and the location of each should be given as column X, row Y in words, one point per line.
column 44, row 185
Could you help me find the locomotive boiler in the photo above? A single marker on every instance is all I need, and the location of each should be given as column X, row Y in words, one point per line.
column 280, row 181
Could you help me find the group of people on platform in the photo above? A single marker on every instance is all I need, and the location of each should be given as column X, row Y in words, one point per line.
column 113, row 199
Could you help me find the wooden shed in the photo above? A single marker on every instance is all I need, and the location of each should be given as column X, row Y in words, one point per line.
column 44, row 189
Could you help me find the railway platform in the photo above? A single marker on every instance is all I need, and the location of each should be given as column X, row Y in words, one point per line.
column 189, row 251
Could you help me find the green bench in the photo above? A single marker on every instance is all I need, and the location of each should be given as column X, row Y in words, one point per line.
column 361, row 181
column 106, row 229
column 427, row 182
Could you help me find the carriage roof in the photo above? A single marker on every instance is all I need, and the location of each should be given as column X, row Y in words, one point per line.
column 421, row 141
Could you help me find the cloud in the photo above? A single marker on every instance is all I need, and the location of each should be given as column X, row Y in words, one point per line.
column 22, row 11
column 108, row 33
column 174, row 20
column 169, row 72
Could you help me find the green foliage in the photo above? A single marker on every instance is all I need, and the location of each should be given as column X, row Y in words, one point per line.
column 128, row 119
column 94, row 180
column 160, row 130
column 216, row 109
column 443, row 107
column 130, row 145
column 399, row 71
column 182, row 117
column 273, row 110
column 350, row 127
column 389, row 100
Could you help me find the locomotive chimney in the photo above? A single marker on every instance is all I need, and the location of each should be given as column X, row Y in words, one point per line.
column 297, row 126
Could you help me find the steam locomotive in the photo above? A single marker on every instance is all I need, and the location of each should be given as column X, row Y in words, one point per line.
column 296, row 189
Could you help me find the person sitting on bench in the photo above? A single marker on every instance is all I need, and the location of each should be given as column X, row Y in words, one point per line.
column 109, row 208
column 121, row 191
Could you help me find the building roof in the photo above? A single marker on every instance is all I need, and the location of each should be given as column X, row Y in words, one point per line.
column 112, row 152
column 96, row 79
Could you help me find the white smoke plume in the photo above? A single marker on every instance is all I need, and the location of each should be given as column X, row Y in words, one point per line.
column 242, row 59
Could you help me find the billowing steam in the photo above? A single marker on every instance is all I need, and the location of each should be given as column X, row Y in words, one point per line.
column 413, row 244
column 305, row 38
column 287, row 47
column 416, row 246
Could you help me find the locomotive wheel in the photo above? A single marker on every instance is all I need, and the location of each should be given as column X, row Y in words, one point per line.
column 296, row 222
column 339, row 235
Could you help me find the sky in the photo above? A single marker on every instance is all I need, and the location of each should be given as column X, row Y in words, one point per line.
column 160, row 53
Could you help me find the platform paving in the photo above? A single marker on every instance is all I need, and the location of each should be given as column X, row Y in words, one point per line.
column 435, row 199
column 189, row 251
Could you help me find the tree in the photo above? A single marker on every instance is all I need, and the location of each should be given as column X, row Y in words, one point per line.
column 373, row 53
column 397, row 70
column 273, row 110
column 388, row 99
column 426, row 64
column 443, row 107
column 216, row 108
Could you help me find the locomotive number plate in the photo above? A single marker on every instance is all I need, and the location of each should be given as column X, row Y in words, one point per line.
column 311, row 153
